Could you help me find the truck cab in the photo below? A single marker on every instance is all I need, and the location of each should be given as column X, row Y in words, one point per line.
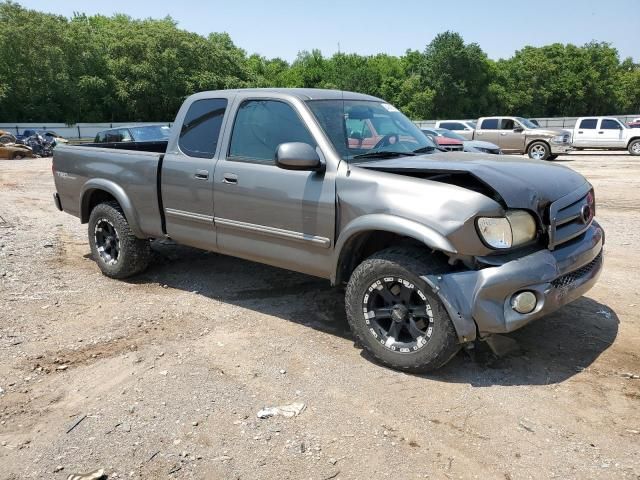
column 519, row 135
column 465, row 128
column 607, row 133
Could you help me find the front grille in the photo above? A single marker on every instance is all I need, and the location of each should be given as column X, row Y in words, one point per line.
column 571, row 277
column 565, row 138
column 570, row 216
column 453, row 148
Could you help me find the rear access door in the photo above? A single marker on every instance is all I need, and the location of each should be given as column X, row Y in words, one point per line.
column 187, row 172
column 586, row 133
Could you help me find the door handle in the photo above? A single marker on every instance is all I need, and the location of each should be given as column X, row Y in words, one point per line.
column 580, row 132
column 231, row 178
column 600, row 133
column 202, row 174
column 503, row 134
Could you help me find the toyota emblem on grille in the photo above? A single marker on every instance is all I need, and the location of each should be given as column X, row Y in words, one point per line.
column 586, row 213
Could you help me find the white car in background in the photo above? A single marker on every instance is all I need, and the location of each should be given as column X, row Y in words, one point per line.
column 464, row 128
column 607, row 133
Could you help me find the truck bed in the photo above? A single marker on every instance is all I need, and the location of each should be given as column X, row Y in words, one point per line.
column 159, row 146
column 125, row 174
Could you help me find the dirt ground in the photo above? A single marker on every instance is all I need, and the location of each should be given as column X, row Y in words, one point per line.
column 165, row 373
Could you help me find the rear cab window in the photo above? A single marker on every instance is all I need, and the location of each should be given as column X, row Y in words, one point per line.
column 589, row 123
column 201, row 127
column 452, row 126
column 489, row 124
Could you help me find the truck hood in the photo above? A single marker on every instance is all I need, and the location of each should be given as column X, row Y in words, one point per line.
column 519, row 182
column 546, row 132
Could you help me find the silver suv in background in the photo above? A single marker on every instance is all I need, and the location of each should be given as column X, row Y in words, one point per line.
column 463, row 128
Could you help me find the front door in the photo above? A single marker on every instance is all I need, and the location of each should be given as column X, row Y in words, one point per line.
column 187, row 175
column 510, row 140
column 265, row 213
column 611, row 133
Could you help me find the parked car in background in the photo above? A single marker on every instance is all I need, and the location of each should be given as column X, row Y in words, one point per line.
column 535, row 122
column 141, row 137
column 472, row 146
column 635, row 123
column 606, row 133
column 444, row 142
column 7, row 137
column 436, row 250
column 519, row 135
column 464, row 128
column 47, row 135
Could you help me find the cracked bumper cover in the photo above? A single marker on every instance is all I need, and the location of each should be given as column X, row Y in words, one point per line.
column 483, row 297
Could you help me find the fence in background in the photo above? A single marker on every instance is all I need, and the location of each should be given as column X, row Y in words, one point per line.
column 552, row 122
column 79, row 131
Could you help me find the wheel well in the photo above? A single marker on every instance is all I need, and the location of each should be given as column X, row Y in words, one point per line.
column 537, row 140
column 93, row 198
column 633, row 139
column 362, row 245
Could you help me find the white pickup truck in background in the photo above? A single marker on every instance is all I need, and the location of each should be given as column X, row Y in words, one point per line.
column 606, row 133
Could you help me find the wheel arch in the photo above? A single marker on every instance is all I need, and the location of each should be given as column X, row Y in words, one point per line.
column 99, row 190
column 632, row 139
column 533, row 140
column 370, row 233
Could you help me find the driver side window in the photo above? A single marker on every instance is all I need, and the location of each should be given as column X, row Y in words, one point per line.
column 261, row 126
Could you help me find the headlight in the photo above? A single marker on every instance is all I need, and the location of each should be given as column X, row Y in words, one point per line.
column 558, row 139
column 516, row 228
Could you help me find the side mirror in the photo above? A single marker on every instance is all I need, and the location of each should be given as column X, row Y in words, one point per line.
column 518, row 129
column 298, row 156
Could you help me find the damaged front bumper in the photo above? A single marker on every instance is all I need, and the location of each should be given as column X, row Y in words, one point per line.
column 479, row 301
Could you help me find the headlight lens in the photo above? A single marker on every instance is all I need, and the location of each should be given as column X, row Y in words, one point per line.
column 516, row 228
column 558, row 139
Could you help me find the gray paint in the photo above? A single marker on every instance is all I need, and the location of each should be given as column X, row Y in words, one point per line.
column 303, row 220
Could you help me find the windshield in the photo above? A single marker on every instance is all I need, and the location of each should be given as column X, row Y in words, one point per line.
column 527, row 123
column 362, row 128
column 473, row 123
column 150, row 133
column 449, row 134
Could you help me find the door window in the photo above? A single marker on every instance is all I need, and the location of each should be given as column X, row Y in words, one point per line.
column 610, row 124
column 589, row 123
column 262, row 125
column 201, row 127
column 507, row 124
column 489, row 124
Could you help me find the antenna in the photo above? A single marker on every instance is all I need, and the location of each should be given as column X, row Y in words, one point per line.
column 344, row 113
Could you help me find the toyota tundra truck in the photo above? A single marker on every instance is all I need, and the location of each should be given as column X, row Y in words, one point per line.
column 436, row 250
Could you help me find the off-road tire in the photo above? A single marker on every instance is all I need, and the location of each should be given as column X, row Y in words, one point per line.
column 537, row 146
column 634, row 147
column 134, row 253
column 408, row 263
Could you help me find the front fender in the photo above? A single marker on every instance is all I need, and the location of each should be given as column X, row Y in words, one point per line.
column 118, row 193
column 393, row 224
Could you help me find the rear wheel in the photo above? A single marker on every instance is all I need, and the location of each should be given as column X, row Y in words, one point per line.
column 116, row 250
column 17, row 156
column 539, row 151
column 395, row 315
column 634, row 147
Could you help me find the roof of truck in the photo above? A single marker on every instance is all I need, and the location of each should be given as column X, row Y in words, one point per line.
column 305, row 93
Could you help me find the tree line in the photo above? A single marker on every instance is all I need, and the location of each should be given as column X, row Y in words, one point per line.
column 101, row 69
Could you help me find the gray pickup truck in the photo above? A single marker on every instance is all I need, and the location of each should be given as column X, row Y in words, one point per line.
column 437, row 250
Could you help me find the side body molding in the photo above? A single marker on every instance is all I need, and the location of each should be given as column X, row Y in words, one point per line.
column 393, row 224
column 118, row 193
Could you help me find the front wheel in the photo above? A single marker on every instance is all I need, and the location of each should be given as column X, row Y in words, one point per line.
column 552, row 157
column 396, row 316
column 116, row 250
column 539, row 151
column 634, row 147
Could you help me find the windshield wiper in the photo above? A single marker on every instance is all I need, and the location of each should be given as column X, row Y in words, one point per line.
column 384, row 154
column 427, row 149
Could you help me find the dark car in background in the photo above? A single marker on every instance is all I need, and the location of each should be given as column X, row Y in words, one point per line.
column 473, row 146
column 141, row 137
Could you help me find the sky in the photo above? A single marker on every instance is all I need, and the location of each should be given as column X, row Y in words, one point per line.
column 283, row 28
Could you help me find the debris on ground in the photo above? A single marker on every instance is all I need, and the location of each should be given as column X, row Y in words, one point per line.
column 95, row 475
column 292, row 410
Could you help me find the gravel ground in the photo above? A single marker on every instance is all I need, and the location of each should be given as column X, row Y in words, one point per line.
column 162, row 376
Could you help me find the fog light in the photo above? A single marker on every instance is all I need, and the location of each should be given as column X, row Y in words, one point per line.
column 524, row 302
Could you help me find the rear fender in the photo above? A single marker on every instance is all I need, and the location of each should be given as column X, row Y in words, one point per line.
column 101, row 184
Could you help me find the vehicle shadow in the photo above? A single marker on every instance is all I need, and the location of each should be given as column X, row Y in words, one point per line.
column 553, row 348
